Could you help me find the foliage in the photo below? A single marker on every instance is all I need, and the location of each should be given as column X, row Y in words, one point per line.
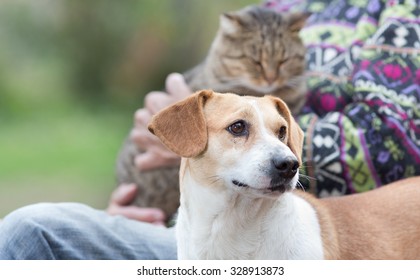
column 72, row 72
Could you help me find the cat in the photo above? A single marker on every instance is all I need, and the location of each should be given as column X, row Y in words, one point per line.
column 256, row 51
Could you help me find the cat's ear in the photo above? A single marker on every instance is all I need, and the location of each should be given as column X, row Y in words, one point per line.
column 297, row 21
column 182, row 126
column 230, row 23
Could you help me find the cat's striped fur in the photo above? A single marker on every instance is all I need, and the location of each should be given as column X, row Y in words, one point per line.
column 257, row 51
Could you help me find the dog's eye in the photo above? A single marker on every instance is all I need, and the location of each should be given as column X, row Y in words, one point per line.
column 238, row 128
column 282, row 133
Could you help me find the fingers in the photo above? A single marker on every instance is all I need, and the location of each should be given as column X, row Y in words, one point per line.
column 153, row 159
column 143, row 138
column 146, row 161
column 177, row 87
column 155, row 154
column 148, row 215
column 142, row 118
column 140, row 135
column 156, row 101
column 124, row 194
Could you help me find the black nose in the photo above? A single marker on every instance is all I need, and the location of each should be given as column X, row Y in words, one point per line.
column 286, row 167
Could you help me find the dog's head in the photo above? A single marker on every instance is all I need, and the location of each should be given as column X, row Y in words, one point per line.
column 246, row 144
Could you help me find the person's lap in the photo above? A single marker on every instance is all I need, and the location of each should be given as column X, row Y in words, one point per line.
column 76, row 231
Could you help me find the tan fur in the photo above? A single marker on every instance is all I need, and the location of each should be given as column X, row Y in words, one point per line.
column 192, row 137
column 379, row 224
column 189, row 137
column 184, row 127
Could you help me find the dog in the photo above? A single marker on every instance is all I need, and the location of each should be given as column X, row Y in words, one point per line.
column 238, row 177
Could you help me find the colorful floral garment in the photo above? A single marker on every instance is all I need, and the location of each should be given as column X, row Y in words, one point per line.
column 362, row 118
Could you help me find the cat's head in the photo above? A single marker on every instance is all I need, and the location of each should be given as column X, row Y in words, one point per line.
column 259, row 49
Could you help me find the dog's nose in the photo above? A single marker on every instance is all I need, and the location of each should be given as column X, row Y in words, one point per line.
column 286, row 167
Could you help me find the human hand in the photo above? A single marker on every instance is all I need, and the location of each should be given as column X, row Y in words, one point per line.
column 155, row 153
column 119, row 204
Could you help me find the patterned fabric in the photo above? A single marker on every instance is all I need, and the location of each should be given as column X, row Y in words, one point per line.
column 362, row 118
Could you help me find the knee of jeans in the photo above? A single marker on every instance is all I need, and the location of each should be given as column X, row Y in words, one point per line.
column 24, row 226
column 28, row 216
column 41, row 215
column 32, row 228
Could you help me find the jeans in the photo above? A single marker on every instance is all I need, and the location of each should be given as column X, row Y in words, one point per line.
column 75, row 231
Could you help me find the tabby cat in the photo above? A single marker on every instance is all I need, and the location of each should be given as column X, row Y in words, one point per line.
column 256, row 51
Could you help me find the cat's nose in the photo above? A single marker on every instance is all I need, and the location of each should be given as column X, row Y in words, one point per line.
column 270, row 77
column 270, row 80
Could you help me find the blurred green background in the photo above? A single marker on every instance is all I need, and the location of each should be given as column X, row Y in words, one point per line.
column 72, row 73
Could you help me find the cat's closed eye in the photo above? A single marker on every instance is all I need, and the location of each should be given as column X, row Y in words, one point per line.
column 256, row 51
column 284, row 60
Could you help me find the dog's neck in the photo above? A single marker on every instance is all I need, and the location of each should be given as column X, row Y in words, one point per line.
column 218, row 223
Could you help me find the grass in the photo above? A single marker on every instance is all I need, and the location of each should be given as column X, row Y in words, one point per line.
column 68, row 157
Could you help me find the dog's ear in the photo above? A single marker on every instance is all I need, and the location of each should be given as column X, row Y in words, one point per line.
column 182, row 126
column 295, row 141
column 295, row 134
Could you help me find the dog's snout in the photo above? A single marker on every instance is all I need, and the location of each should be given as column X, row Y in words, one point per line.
column 286, row 167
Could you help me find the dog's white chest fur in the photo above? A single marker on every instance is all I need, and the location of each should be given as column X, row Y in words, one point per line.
column 209, row 227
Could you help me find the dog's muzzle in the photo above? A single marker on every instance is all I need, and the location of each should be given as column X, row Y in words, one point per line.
column 283, row 170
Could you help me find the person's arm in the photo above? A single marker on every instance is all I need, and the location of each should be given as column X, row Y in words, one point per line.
column 362, row 131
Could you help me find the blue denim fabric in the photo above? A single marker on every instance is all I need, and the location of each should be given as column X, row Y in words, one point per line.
column 75, row 231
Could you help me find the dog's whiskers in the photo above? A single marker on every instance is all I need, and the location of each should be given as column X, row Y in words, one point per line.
column 299, row 184
column 309, row 178
column 306, row 164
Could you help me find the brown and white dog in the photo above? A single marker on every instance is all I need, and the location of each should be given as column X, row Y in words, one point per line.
column 240, row 166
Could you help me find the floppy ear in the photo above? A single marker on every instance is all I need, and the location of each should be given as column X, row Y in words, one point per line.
column 295, row 133
column 182, row 126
